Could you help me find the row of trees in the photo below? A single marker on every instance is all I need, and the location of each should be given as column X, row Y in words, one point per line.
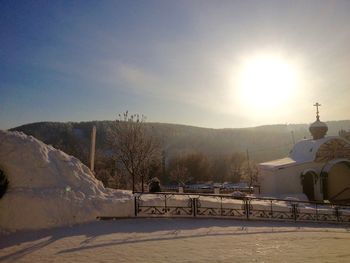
column 136, row 157
column 197, row 167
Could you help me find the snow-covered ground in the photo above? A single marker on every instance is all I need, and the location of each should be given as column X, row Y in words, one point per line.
column 180, row 240
column 50, row 189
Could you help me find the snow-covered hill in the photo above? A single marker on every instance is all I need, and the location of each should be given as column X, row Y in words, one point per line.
column 49, row 188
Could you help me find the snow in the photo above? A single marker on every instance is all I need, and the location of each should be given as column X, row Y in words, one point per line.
column 295, row 197
column 261, row 208
column 303, row 151
column 180, row 240
column 49, row 214
column 287, row 161
column 48, row 188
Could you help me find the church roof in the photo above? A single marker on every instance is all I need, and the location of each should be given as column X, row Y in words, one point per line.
column 318, row 129
column 278, row 163
column 304, row 151
column 319, row 149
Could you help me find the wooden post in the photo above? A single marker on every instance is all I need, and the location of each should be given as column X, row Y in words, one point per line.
column 92, row 149
column 293, row 139
column 249, row 171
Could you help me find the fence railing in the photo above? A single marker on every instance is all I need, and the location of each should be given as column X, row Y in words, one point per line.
column 226, row 206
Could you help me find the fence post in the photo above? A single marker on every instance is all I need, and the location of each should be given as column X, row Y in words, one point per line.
column 246, row 204
column 221, row 212
column 337, row 213
column 271, row 210
column 294, row 211
column 194, row 206
column 135, row 205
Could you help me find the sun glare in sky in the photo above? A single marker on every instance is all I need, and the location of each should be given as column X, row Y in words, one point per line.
column 265, row 83
column 228, row 65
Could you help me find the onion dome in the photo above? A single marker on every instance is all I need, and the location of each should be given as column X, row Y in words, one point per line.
column 318, row 129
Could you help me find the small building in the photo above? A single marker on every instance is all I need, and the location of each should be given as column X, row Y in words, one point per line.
column 318, row 167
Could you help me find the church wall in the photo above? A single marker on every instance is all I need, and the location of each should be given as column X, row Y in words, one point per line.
column 338, row 180
column 301, row 171
column 267, row 181
column 288, row 180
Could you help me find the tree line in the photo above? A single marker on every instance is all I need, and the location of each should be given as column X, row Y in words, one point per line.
column 136, row 157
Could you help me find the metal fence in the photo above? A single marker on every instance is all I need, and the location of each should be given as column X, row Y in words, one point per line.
column 226, row 206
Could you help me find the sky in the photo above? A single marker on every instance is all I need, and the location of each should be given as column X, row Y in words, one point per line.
column 217, row 64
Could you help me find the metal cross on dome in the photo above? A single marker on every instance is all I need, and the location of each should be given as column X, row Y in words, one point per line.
column 317, row 112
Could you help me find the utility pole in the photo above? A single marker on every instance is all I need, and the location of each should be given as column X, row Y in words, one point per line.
column 249, row 171
column 163, row 163
column 293, row 139
column 92, row 148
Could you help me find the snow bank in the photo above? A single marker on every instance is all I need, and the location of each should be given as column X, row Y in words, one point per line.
column 49, row 188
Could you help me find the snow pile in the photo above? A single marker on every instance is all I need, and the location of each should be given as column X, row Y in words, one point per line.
column 49, row 188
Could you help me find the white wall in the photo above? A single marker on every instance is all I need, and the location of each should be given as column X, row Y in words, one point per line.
column 287, row 180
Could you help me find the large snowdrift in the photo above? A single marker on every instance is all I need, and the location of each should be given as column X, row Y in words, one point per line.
column 49, row 188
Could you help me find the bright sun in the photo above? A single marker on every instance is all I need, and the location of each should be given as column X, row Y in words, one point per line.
column 265, row 83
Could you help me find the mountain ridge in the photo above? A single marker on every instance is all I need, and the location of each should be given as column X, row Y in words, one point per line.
column 264, row 143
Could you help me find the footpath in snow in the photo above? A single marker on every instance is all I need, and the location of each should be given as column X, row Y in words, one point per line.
column 180, row 240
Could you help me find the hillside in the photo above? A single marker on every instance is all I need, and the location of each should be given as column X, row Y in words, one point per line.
column 263, row 143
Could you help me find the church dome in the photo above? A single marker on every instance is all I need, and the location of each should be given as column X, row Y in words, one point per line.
column 318, row 129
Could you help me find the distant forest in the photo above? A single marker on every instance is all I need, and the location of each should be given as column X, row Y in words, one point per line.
column 213, row 146
column 264, row 143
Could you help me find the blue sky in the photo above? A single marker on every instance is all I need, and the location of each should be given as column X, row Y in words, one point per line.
column 173, row 61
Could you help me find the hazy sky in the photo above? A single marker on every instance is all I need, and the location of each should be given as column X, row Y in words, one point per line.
column 174, row 61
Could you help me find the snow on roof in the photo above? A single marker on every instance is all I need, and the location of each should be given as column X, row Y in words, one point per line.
column 303, row 151
column 280, row 162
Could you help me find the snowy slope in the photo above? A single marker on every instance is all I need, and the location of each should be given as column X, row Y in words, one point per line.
column 49, row 188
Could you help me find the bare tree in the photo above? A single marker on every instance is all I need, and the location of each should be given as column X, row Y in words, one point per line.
column 236, row 162
column 193, row 167
column 180, row 174
column 134, row 146
column 251, row 173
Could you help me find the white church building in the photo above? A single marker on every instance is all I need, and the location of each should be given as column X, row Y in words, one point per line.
column 318, row 167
